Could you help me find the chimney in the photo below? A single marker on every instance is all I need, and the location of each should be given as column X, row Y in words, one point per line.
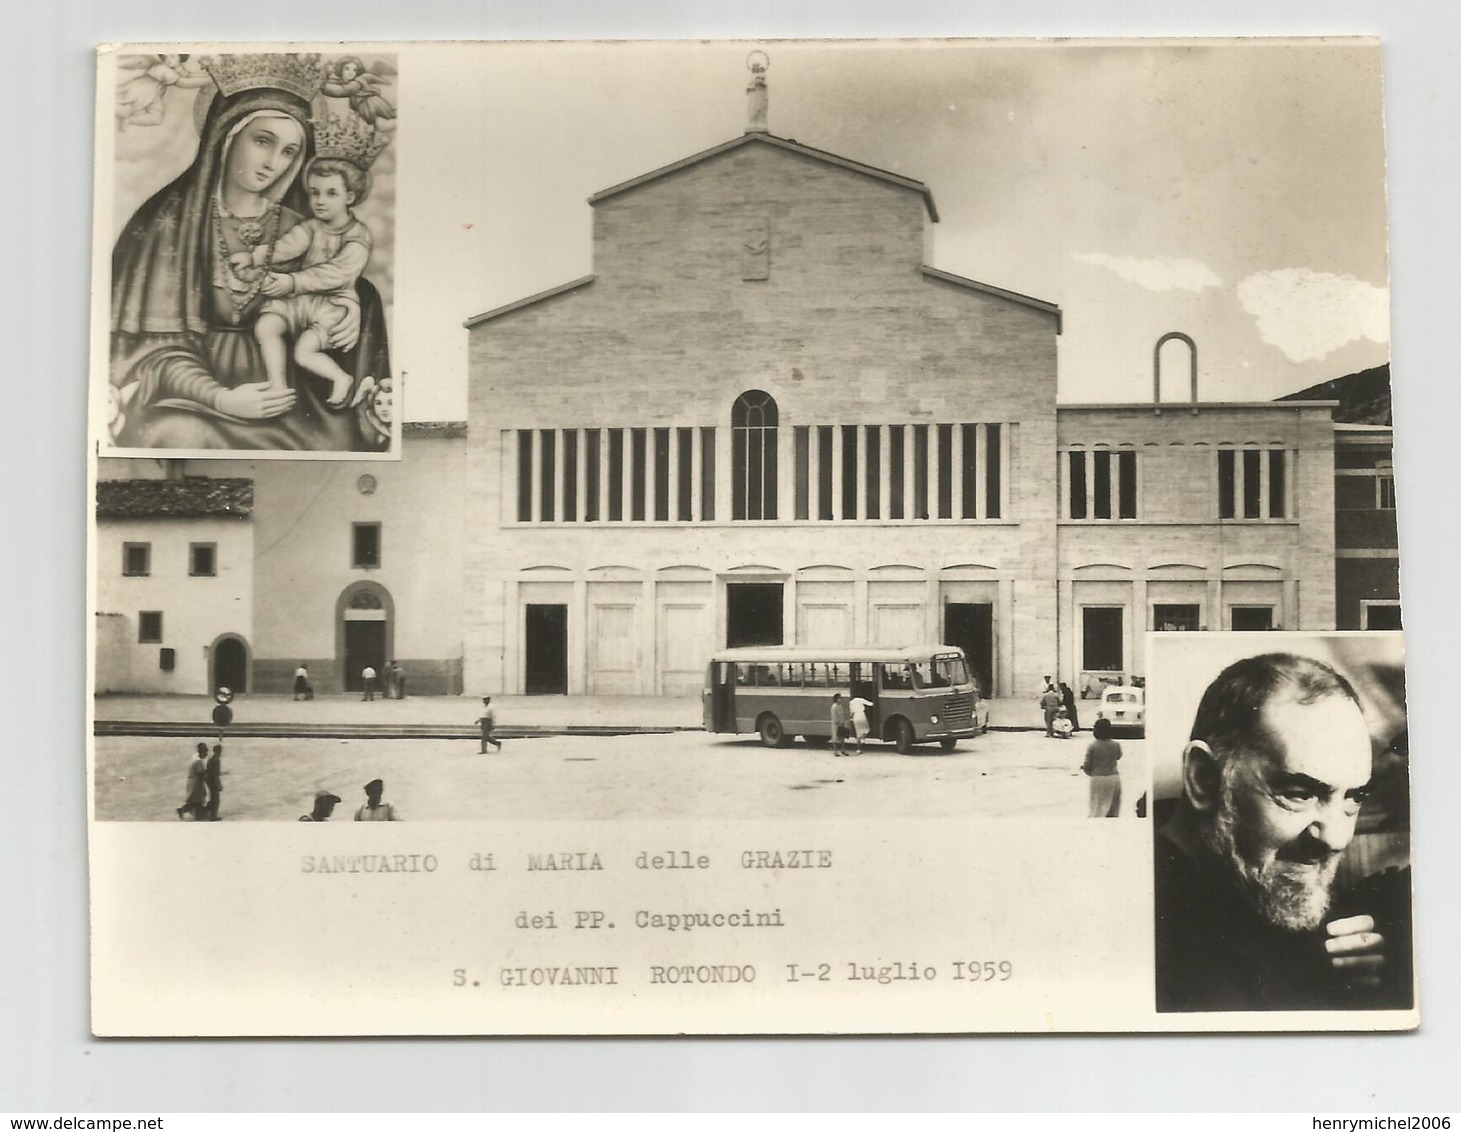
column 756, row 97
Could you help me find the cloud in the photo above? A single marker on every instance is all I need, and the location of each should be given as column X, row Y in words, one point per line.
column 1310, row 314
column 1160, row 274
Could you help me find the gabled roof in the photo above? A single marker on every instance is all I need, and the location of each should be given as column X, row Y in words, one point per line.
column 518, row 304
column 175, row 499
column 997, row 292
column 787, row 144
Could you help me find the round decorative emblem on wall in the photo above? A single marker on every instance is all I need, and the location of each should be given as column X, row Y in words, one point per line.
column 366, row 484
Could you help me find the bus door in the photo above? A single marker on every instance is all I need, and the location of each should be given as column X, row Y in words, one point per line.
column 865, row 686
column 722, row 697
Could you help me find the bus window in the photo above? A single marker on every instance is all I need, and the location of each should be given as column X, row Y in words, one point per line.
column 950, row 670
column 790, row 675
column 745, row 676
column 896, row 677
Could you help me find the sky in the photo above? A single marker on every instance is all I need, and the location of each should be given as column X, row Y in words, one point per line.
column 1233, row 192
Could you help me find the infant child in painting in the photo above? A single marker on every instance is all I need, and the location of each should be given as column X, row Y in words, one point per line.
column 305, row 305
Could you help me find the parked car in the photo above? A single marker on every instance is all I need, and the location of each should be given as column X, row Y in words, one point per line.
column 1125, row 707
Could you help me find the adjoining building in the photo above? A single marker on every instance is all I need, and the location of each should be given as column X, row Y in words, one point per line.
column 764, row 418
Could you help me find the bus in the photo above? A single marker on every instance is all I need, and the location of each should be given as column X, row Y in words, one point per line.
column 920, row 693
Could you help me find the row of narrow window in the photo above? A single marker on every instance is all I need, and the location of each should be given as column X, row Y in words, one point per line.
column 1252, row 484
column 899, row 472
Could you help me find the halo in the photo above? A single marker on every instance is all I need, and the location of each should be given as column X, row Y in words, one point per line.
column 757, row 62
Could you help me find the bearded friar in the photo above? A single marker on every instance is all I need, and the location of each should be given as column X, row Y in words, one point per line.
column 1273, row 778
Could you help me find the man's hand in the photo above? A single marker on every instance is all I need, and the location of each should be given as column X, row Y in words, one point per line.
column 255, row 402
column 1356, row 950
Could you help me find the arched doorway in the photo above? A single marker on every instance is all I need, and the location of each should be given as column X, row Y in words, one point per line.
column 365, row 620
column 229, row 667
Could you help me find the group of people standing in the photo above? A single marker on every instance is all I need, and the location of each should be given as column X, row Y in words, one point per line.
column 392, row 679
column 849, row 721
column 375, row 809
column 1057, row 702
column 205, row 784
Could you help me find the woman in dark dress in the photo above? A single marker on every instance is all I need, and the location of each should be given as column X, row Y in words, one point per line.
column 1067, row 697
column 185, row 368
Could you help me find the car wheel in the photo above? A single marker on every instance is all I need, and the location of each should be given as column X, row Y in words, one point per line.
column 772, row 733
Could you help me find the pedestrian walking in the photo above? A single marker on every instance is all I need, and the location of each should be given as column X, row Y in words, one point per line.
column 374, row 809
column 1049, row 704
column 398, row 674
column 860, row 725
column 841, row 723
column 367, row 679
column 194, row 797
column 213, row 780
column 1101, row 758
column 487, row 721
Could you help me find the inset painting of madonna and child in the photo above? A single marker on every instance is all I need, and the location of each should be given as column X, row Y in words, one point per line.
column 1281, row 807
column 252, row 203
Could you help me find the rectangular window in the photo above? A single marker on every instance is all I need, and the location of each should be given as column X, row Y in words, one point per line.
column 849, row 471
column 992, row 478
column 920, row 471
column 570, row 475
column 896, row 464
column 524, row 475
column 1252, row 618
column 1252, row 483
column 1278, row 485
column 1103, row 639
column 1079, row 508
column 591, row 476
column 1101, row 464
column 203, row 559
column 1176, row 618
column 662, row 475
column 638, row 481
column 1126, row 484
column 824, row 471
column 1227, row 483
column 1381, row 614
column 167, row 659
column 365, row 545
column 874, row 471
column 970, row 471
column 1385, row 493
column 149, row 627
column 945, row 471
column 616, row 475
column 707, row 474
column 685, row 483
column 801, row 442
column 547, row 468
column 136, row 559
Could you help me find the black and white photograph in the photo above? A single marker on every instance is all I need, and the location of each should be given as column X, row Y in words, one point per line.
column 1282, row 824
column 814, row 456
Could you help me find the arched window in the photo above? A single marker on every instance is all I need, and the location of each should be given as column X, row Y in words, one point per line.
column 753, row 456
column 364, row 599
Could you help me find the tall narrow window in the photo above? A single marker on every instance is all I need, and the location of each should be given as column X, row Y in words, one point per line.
column 365, row 545
column 685, row 482
column 896, row 464
column 547, row 468
column 920, row 471
column 753, row 456
column 524, row 475
column 1227, row 483
column 874, row 465
column 1126, row 485
column 1252, row 483
column 1079, row 507
column 570, row 475
column 1101, row 465
column 591, row 484
column 616, row 475
column 1385, row 493
column 662, row 475
column 802, row 453
column 824, row 471
column 707, row 474
column 1278, row 485
column 945, row 471
column 970, row 472
column 993, row 480
column 638, row 445
column 849, row 471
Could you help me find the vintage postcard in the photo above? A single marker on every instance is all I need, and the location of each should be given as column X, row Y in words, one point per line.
column 832, row 475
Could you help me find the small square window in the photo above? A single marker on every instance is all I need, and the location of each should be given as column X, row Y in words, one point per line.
column 203, row 559
column 136, row 559
column 149, row 627
column 365, row 545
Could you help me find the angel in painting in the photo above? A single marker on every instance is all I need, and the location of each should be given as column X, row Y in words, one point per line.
column 143, row 98
column 351, row 79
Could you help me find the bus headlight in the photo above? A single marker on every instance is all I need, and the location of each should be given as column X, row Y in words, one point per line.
column 933, row 719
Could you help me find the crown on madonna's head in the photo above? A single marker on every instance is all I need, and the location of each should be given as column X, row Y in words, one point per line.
column 350, row 138
column 299, row 74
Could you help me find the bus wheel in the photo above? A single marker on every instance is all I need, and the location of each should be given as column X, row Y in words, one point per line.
column 948, row 744
column 903, row 736
column 772, row 733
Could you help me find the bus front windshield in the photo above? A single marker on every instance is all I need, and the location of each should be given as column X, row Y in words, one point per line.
column 940, row 672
